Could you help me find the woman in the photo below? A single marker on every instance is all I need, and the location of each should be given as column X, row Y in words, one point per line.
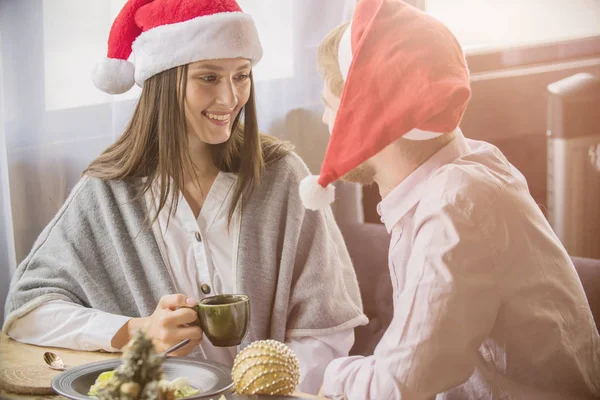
column 188, row 202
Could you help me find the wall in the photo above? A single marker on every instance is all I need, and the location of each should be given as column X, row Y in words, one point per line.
column 508, row 109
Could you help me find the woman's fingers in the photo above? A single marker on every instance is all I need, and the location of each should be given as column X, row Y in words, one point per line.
column 175, row 301
column 181, row 316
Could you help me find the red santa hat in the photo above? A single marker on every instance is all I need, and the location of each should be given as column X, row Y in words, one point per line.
column 405, row 76
column 162, row 34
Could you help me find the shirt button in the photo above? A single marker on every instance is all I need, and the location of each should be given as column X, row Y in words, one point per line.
column 205, row 288
column 198, row 237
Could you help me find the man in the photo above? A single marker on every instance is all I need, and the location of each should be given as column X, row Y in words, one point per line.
column 487, row 304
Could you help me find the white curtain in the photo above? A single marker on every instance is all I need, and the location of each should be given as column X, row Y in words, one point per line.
column 7, row 253
column 53, row 122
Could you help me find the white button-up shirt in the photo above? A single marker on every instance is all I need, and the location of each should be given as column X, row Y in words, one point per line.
column 487, row 304
column 196, row 251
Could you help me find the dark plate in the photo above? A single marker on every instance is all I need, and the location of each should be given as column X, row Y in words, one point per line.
column 209, row 377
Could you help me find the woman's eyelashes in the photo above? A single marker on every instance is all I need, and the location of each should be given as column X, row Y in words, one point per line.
column 240, row 78
column 208, row 78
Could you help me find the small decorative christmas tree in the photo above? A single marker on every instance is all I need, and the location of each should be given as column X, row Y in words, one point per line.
column 139, row 375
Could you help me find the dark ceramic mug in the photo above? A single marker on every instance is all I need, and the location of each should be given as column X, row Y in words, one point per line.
column 224, row 318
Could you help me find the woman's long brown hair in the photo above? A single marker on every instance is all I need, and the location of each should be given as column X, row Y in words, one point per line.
column 155, row 144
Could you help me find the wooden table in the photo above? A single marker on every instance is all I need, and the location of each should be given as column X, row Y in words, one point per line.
column 15, row 354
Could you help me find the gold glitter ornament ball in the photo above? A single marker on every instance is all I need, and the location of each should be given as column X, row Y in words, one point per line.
column 266, row 367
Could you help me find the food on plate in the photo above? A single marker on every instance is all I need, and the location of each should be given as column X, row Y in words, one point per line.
column 140, row 376
column 181, row 386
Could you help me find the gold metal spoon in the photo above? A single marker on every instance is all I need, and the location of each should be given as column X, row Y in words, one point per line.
column 54, row 361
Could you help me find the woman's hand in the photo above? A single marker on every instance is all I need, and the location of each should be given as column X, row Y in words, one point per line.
column 168, row 325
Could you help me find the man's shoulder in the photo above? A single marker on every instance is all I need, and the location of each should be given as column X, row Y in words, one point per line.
column 478, row 183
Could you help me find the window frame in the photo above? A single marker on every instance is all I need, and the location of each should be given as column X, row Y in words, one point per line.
column 528, row 55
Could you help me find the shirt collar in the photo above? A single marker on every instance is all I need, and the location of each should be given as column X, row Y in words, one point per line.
column 408, row 193
column 218, row 197
column 213, row 203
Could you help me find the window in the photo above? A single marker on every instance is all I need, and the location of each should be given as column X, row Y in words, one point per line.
column 75, row 37
column 276, row 36
column 483, row 25
column 75, row 34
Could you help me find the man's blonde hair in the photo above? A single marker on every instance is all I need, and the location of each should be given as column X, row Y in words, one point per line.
column 327, row 59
